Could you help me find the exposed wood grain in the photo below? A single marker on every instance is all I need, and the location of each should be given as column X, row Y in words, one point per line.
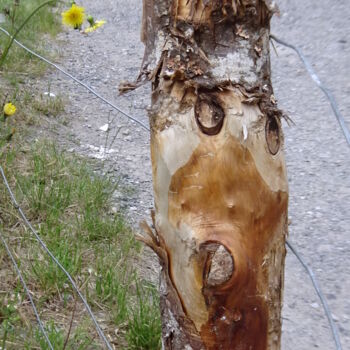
column 219, row 176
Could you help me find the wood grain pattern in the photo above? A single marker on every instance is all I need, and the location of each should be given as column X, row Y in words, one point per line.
column 219, row 177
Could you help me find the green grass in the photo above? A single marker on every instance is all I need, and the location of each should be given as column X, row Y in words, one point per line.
column 21, row 68
column 46, row 22
column 144, row 326
column 55, row 335
column 71, row 207
column 51, row 106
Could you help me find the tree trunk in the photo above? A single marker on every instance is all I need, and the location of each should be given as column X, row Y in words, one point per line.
column 219, row 175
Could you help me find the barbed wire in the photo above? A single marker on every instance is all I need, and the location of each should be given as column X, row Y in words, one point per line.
column 54, row 259
column 19, row 274
column 291, row 247
column 318, row 82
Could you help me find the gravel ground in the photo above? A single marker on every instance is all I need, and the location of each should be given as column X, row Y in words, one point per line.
column 317, row 155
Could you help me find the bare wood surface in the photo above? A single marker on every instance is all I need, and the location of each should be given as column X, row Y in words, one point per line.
column 219, row 175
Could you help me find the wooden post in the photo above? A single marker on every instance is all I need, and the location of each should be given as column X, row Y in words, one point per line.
column 219, row 176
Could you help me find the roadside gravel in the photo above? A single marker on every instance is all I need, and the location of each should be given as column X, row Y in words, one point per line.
column 317, row 155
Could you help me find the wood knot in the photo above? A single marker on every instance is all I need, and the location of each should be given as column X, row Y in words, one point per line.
column 209, row 114
column 218, row 266
column 272, row 134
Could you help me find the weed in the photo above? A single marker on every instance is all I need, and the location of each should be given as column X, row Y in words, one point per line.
column 49, row 105
column 83, row 338
column 144, row 324
column 55, row 335
column 71, row 207
column 48, row 275
column 112, row 288
column 46, row 185
column 8, row 319
column 46, row 21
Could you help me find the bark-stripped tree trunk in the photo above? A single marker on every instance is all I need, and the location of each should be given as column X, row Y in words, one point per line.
column 219, row 176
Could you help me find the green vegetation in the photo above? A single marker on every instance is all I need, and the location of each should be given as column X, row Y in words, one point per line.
column 144, row 329
column 44, row 22
column 20, row 68
column 49, row 106
column 73, row 209
column 71, row 206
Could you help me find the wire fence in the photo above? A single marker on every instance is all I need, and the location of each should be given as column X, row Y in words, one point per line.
column 54, row 259
column 320, row 295
column 42, row 329
column 87, row 87
column 307, row 268
column 318, row 82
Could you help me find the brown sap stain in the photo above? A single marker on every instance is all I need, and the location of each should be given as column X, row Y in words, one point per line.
column 228, row 202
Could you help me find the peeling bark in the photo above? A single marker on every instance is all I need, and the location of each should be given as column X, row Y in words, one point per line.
column 219, row 176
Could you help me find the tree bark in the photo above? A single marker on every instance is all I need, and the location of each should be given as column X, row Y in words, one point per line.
column 219, row 176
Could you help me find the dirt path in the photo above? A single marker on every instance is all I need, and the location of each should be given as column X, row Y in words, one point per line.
column 317, row 155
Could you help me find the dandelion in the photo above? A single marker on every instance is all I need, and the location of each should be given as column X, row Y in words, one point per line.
column 74, row 17
column 94, row 26
column 9, row 109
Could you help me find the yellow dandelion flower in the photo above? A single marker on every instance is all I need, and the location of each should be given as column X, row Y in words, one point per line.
column 74, row 17
column 96, row 25
column 9, row 109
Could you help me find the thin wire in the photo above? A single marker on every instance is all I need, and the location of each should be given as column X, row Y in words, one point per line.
column 143, row 125
column 27, row 291
column 320, row 295
column 291, row 247
column 346, row 133
column 318, row 82
column 315, row 78
column 15, row 204
column 306, row 63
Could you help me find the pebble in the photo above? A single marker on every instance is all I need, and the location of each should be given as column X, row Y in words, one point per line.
column 104, row 127
column 335, row 318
